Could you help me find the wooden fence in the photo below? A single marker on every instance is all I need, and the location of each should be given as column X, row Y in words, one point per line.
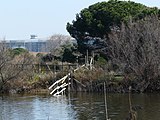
column 38, row 68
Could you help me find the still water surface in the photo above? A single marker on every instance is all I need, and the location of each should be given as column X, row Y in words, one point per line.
column 77, row 106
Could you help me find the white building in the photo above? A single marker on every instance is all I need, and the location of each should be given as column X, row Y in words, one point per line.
column 34, row 44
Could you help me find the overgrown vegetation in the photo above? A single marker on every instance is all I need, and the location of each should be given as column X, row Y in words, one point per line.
column 97, row 20
column 18, row 51
column 124, row 37
column 12, row 66
column 127, row 34
column 135, row 49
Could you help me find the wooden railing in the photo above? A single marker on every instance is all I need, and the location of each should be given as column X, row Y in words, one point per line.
column 38, row 68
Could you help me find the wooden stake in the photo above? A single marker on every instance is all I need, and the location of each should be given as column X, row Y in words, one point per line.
column 87, row 58
column 105, row 99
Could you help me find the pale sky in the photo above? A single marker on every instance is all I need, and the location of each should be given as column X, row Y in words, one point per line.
column 21, row 18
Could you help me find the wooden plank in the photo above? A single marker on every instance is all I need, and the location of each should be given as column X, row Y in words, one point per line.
column 58, row 81
column 59, row 92
column 58, row 87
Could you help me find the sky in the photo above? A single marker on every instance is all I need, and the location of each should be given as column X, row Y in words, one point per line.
column 21, row 18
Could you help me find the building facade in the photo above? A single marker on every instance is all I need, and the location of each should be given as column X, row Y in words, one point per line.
column 32, row 45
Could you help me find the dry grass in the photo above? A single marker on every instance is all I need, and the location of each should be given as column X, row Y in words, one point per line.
column 85, row 75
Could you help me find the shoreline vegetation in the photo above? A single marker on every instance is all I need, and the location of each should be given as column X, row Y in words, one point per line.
column 37, row 78
column 123, row 42
column 92, row 80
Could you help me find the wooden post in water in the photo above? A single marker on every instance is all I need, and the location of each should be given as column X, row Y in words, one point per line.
column 129, row 99
column 132, row 113
column 105, row 99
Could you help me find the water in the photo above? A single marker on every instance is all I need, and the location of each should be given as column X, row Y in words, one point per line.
column 77, row 106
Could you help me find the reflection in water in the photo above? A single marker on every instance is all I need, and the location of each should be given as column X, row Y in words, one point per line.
column 35, row 108
column 91, row 106
column 77, row 106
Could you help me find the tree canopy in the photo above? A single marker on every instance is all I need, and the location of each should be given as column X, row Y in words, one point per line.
column 98, row 19
column 18, row 51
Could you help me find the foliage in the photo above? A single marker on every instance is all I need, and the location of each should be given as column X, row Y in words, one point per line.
column 86, row 75
column 12, row 67
column 47, row 58
column 101, row 61
column 98, row 19
column 67, row 55
column 18, row 51
column 55, row 45
column 63, row 53
column 55, row 41
column 135, row 49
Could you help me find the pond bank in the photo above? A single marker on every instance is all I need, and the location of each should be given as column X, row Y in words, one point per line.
column 84, row 85
column 119, row 86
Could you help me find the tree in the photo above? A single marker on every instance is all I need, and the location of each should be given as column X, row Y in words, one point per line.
column 18, row 51
column 67, row 53
column 56, row 41
column 11, row 67
column 60, row 47
column 96, row 20
column 135, row 48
